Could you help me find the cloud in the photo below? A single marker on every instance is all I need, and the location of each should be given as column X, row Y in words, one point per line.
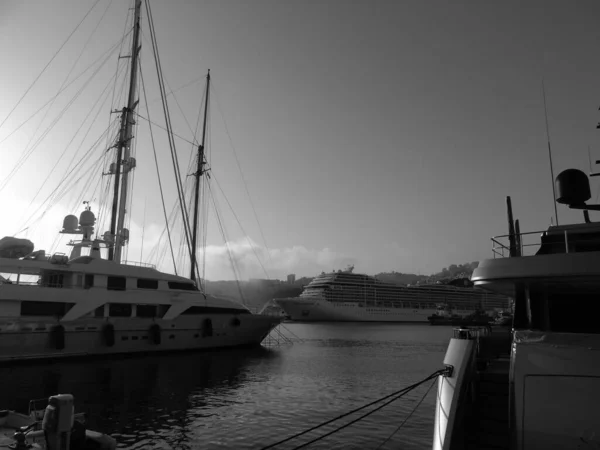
column 253, row 260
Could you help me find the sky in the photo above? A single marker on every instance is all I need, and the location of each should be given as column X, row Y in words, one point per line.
column 384, row 134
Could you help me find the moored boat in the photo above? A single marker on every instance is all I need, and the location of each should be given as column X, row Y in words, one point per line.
column 537, row 385
column 93, row 301
column 56, row 427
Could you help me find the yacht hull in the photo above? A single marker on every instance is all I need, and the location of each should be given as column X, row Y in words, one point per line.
column 318, row 310
column 31, row 339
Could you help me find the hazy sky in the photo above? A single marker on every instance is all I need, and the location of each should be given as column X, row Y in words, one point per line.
column 381, row 133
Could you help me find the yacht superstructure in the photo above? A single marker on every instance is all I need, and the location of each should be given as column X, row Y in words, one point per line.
column 347, row 296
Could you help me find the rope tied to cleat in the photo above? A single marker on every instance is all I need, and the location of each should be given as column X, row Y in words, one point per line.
column 390, row 398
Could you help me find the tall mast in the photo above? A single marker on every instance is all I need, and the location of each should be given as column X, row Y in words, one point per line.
column 125, row 163
column 197, row 175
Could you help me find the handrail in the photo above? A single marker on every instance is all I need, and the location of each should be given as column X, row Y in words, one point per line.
column 501, row 248
column 139, row 264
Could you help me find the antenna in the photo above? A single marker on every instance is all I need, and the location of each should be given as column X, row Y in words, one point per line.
column 549, row 151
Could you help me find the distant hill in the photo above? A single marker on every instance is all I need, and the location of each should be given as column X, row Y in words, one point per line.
column 259, row 291
column 255, row 293
column 447, row 273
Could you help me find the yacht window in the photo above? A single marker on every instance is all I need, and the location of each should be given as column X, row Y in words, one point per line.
column 143, row 283
column 45, row 308
column 116, row 283
column 89, row 281
column 99, row 311
column 573, row 313
column 119, row 310
column 182, row 286
column 55, row 280
column 197, row 310
column 146, row 310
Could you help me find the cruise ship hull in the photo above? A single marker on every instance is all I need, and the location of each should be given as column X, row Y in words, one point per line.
column 31, row 339
column 319, row 310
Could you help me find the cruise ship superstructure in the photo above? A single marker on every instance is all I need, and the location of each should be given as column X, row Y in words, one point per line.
column 347, row 296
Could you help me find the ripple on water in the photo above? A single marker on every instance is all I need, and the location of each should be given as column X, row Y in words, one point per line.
column 248, row 399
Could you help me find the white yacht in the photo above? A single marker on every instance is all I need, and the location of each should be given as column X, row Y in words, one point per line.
column 56, row 305
column 535, row 386
column 346, row 296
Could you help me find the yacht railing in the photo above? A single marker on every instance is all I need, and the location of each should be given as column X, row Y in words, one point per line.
column 501, row 244
column 472, row 334
column 139, row 264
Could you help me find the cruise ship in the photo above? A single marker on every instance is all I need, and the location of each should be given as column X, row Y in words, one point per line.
column 347, row 296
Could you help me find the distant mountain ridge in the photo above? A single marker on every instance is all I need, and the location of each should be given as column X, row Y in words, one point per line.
column 453, row 271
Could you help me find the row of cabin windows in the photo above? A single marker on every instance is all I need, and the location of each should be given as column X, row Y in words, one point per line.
column 120, row 284
column 117, row 283
column 59, row 309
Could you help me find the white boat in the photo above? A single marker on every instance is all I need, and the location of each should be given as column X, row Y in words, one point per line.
column 538, row 385
column 87, row 303
column 347, row 296
column 56, row 427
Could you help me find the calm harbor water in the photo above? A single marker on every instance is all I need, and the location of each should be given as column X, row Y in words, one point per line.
column 249, row 399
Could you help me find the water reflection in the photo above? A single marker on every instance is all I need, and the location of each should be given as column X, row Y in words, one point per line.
column 140, row 395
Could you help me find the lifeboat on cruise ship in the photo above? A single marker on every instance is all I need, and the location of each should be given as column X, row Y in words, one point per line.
column 14, row 248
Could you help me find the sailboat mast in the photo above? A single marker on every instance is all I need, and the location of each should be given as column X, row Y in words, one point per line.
column 125, row 163
column 198, row 174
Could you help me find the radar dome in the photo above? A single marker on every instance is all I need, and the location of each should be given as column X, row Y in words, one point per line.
column 70, row 223
column 573, row 187
column 87, row 219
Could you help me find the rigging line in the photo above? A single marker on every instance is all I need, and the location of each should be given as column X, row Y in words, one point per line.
column 178, row 179
column 48, row 64
column 29, row 152
column 162, row 197
column 133, row 154
column 407, row 417
column 143, row 230
column 169, row 221
column 165, row 129
column 171, row 92
column 108, row 52
column 361, row 417
column 30, row 225
column 52, row 194
column 59, row 90
column 393, row 396
column 76, row 61
column 100, row 108
column 125, row 34
column 231, row 260
column 241, row 173
column 169, row 126
column 179, row 106
column 240, row 224
column 67, row 173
